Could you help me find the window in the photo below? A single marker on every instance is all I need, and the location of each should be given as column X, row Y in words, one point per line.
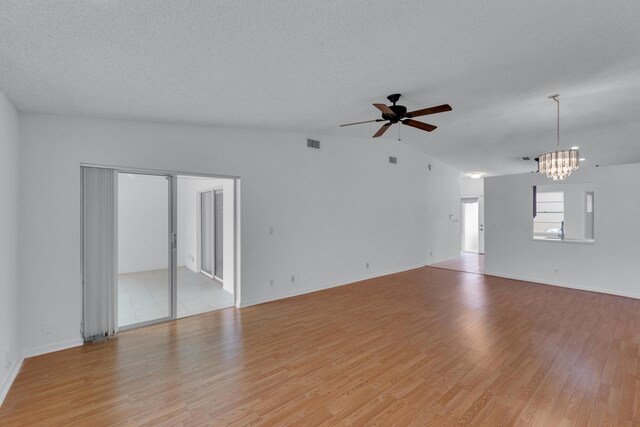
column 549, row 214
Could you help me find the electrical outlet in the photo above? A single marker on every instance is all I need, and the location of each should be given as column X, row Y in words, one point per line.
column 430, row 253
column 367, row 265
column 271, row 282
column 293, row 278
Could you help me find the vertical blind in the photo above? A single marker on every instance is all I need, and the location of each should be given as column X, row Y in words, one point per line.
column 99, row 264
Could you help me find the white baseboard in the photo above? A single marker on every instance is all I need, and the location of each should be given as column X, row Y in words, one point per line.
column 564, row 285
column 31, row 352
column 6, row 385
column 50, row 348
column 308, row 290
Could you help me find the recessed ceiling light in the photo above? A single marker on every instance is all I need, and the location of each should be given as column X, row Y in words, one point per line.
column 575, row 148
column 583, row 159
column 476, row 175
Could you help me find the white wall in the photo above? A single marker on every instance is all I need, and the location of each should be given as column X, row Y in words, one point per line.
column 188, row 188
column 331, row 210
column 470, row 187
column 608, row 265
column 9, row 159
column 143, row 223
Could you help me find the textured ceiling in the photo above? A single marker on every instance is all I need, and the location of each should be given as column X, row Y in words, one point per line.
column 310, row 65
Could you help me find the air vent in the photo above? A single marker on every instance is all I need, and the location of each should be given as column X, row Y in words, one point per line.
column 393, row 160
column 525, row 158
column 312, row 143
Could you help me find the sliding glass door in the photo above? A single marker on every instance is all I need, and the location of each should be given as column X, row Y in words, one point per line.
column 145, row 249
column 218, row 208
column 206, row 232
column 212, row 233
column 133, row 273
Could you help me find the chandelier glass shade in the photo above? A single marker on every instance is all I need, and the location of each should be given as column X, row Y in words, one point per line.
column 558, row 164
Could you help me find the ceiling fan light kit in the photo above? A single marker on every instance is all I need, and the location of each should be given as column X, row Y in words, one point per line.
column 559, row 164
column 393, row 114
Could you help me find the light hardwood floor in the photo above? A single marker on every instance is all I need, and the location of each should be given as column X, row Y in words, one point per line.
column 428, row 346
column 467, row 261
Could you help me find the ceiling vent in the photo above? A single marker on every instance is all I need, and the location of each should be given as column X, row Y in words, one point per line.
column 312, row 143
column 525, row 158
column 393, row 160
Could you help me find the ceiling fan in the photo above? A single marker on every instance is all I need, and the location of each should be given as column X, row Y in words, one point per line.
column 398, row 113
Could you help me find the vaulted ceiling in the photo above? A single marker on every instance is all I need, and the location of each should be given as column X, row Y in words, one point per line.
column 308, row 66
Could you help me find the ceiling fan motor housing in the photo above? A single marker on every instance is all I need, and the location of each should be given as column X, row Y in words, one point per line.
column 394, row 97
column 399, row 110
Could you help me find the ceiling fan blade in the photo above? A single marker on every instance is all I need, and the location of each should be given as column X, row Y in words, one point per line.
column 382, row 130
column 366, row 121
column 419, row 125
column 431, row 110
column 385, row 110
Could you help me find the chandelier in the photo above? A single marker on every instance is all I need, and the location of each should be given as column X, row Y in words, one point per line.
column 560, row 163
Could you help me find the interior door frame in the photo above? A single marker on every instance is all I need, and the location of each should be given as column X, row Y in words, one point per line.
column 463, row 201
column 172, row 232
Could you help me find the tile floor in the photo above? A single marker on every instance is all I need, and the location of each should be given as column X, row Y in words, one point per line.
column 468, row 262
column 144, row 295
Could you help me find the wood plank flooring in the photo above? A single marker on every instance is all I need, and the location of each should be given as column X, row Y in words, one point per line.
column 467, row 261
column 424, row 347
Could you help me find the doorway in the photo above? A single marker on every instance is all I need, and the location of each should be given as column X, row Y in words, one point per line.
column 473, row 225
column 205, row 253
column 144, row 247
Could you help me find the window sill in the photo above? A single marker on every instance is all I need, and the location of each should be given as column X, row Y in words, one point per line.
column 558, row 240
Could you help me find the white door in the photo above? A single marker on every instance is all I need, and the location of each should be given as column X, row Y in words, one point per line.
column 470, row 229
column 481, row 224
